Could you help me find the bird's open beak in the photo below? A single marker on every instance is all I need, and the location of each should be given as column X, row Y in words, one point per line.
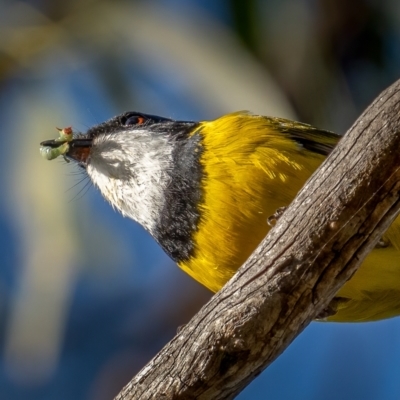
column 78, row 149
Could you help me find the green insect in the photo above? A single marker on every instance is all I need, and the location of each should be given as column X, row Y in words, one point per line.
column 50, row 152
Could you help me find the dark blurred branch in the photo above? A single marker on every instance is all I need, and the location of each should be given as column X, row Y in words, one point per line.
column 315, row 248
column 245, row 22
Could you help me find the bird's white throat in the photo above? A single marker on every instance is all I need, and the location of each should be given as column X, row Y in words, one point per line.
column 132, row 170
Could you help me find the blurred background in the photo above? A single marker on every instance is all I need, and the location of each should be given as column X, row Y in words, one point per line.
column 86, row 296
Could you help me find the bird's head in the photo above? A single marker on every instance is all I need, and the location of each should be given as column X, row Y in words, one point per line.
column 133, row 159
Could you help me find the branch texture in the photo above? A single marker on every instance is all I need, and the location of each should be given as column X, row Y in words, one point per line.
column 316, row 246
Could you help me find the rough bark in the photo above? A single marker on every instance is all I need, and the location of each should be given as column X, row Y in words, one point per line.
column 314, row 249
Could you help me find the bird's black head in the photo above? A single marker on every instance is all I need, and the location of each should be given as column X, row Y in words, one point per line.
column 80, row 146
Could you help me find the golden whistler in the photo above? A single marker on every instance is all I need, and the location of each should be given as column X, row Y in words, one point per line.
column 205, row 190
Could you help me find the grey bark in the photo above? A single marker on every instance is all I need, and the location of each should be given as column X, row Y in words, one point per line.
column 316, row 246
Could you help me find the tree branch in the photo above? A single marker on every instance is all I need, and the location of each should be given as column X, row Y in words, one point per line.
column 317, row 245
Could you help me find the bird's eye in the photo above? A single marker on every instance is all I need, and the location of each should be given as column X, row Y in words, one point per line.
column 134, row 120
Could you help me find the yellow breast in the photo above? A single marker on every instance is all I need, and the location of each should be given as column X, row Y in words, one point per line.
column 251, row 168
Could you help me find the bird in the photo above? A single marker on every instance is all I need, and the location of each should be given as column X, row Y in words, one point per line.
column 205, row 191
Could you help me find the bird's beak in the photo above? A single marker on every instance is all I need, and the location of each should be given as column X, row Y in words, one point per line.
column 78, row 149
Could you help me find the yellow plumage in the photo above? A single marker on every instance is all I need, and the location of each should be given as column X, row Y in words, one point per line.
column 252, row 166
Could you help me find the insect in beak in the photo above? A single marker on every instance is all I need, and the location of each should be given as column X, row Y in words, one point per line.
column 65, row 145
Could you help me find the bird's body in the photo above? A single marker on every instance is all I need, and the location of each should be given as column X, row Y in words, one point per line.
column 205, row 191
column 251, row 166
